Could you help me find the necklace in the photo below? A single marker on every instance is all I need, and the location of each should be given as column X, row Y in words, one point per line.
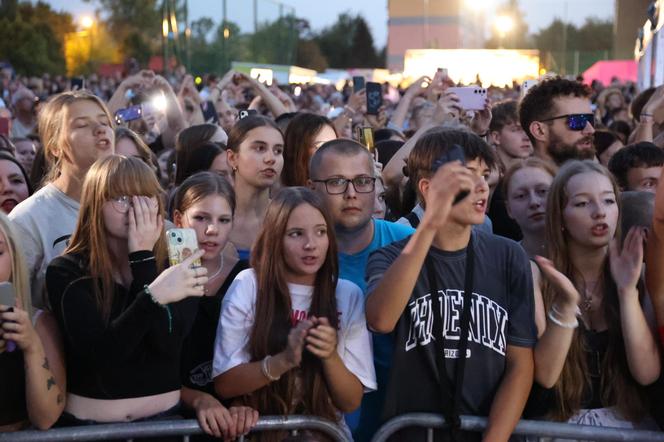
column 221, row 266
column 588, row 295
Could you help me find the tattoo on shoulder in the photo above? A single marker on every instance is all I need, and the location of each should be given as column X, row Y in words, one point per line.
column 45, row 364
column 50, row 382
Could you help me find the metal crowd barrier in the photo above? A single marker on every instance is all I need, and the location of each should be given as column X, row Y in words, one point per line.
column 524, row 428
column 183, row 428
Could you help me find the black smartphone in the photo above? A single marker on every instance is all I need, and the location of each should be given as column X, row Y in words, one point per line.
column 358, row 83
column 77, row 83
column 374, row 98
column 456, row 153
column 209, row 112
column 129, row 114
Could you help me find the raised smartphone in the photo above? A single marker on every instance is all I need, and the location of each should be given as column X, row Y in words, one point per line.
column 182, row 243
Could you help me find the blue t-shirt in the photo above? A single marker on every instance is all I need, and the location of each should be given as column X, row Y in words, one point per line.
column 364, row 422
column 352, row 267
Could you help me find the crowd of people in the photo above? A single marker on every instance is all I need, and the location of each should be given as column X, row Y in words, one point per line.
column 499, row 262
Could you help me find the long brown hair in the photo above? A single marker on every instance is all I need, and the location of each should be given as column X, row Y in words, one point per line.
column 298, row 142
column 269, row 334
column 618, row 388
column 108, row 178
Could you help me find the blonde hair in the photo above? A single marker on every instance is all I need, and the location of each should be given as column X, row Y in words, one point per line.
column 19, row 276
column 52, row 127
column 108, row 178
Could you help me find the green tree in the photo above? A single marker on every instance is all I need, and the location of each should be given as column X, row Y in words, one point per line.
column 32, row 37
column 310, row 56
column 348, row 36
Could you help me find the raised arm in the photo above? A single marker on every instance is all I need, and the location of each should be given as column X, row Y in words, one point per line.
column 388, row 298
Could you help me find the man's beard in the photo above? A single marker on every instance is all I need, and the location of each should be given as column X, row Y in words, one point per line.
column 561, row 152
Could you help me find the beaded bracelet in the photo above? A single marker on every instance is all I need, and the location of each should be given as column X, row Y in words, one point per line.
column 266, row 370
column 147, row 290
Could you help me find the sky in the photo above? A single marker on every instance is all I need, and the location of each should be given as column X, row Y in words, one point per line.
column 321, row 13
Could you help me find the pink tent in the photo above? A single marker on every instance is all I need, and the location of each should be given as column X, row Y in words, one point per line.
column 604, row 71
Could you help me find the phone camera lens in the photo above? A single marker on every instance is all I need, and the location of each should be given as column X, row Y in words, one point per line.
column 180, row 240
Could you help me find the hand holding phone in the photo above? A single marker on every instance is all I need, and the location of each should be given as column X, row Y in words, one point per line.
column 470, row 97
column 8, row 301
column 358, row 83
column 182, row 243
column 374, row 97
column 456, row 153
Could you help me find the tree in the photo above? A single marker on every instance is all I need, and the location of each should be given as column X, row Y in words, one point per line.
column 348, row 34
column 310, row 56
column 32, row 37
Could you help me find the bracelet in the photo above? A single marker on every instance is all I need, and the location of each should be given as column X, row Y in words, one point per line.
column 569, row 325
column 136, row 261
column 266, row 370
column 645, row 114
column 577, row 312
column 147, row 290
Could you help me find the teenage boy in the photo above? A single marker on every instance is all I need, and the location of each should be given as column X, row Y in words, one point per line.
column 558, row 118
column 512, row 145
column 638, row 166
column 342, row 174
column 417, row 291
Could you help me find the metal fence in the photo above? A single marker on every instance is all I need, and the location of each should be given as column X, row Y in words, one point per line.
column 183, row 428
column 524, row 428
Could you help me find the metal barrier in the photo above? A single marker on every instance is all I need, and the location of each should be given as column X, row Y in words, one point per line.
column 524, row 428
column 184, row 428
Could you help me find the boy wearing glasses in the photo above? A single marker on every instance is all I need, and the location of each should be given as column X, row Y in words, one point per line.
column 343, row 174
column 558, row 118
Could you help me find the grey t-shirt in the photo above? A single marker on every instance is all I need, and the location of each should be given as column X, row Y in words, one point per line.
column 44, row 222
column 502, row 314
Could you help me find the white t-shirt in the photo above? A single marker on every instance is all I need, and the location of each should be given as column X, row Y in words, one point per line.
column 44, row 222
column 231, row 347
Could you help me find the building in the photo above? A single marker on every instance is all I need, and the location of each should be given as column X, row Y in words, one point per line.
column 429, row 24
column 628, row 19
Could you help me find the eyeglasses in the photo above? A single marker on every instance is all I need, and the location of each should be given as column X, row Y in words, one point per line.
column 122, row 203
column 576, row 122
column 337, row 186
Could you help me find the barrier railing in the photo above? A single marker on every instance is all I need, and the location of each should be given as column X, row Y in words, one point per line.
column 524, row 428
column 183, row 428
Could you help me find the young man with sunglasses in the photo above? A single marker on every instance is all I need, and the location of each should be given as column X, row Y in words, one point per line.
column 343, row 174
column 558, row 118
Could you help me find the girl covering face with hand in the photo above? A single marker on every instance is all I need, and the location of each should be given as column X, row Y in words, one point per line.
column 124, row 316
column 292, row 337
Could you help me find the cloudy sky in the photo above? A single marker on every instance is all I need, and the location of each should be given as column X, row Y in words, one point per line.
column 321, row 13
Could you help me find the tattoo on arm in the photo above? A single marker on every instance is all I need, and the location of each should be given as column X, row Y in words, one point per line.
column 46, row 365
column 50, row 382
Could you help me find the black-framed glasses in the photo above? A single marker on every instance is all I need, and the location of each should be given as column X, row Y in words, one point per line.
column 575, row 122
column 337, row 186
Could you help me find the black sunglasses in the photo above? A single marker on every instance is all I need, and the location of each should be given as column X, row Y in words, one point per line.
column 576, row 122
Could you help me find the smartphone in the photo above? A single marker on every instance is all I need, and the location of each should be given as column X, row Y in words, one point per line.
column 358, row 83
column 526, row 86
column 456, row 153
column 374, row 97
column 182, row 243
column 245, row 113
column 77, row 83
column 470, row 97
column 209, row 112
column 7, row 294
column 129, row 114
column 365, row 137
column 8, row 298
column 4, row 126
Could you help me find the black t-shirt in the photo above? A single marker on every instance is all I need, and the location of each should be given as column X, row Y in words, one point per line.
column 502, row 314
column 503, row 225
column 135, row 354
column 198, row 350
